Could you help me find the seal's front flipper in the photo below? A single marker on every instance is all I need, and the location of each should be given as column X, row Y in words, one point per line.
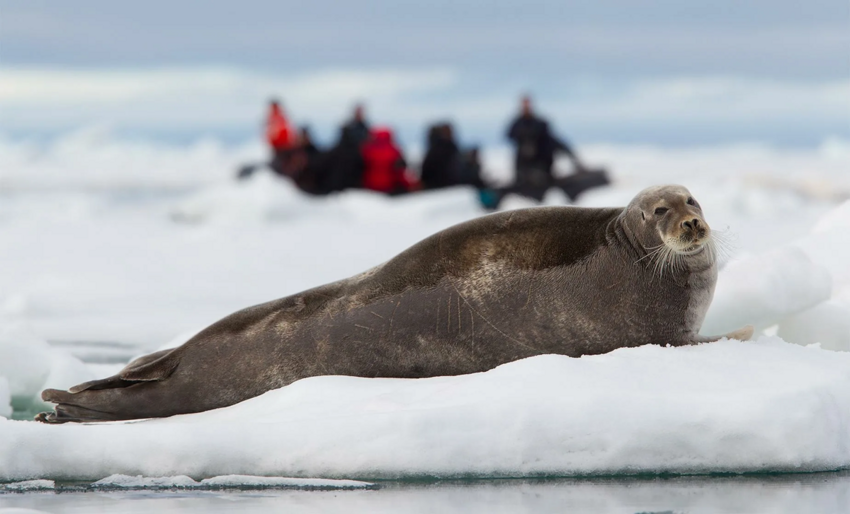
column 742, row 334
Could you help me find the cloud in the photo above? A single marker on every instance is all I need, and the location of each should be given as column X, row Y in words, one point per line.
column 46, row 86
column 207, row 99
column 44, row 98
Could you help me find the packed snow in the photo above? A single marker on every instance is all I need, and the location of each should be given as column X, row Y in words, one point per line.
column 112, row 249
column 724, row 407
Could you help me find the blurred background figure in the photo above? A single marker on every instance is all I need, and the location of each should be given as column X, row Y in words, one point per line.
column 384, row 167
column 442, row 158
column 444, row 164
column 356, row 130
column 307, row 165
column 281, row 139
column 280, row 136
column 345, row 162
column 535, row 148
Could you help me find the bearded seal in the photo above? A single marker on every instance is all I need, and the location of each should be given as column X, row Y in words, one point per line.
column 563, row 280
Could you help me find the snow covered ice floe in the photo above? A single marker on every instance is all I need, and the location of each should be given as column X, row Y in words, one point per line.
column 762, row 290
column 224, row 482
column 763, row 406
column 242, row 482
column 28, row 485
column 28, row 365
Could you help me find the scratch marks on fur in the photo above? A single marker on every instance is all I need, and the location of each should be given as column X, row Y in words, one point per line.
column 459, row 322
column 529, row 293
column 490, row 323
column 392, row 316
column 449, row 315
column 364, row 328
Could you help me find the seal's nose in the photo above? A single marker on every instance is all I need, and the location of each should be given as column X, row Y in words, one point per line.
column 691, row 224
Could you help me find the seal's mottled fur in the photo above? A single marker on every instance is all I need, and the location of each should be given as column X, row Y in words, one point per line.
column 566, row 280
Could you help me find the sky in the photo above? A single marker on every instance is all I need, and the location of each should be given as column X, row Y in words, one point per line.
column 628, row 71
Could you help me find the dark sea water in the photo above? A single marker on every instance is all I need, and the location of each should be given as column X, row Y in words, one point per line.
column 817, row 493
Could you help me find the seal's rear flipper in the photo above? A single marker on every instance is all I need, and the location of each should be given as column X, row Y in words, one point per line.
column 72, row 413
column 65, row 410
column 149, row 368
column 742, row 334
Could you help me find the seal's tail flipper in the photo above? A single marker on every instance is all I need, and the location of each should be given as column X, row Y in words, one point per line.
column 68, row 408
column 742, row 334
column 149, row 368
column 64, row 413
column 101, row 400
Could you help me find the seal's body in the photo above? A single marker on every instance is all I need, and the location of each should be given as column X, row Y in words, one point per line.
column 564, row 280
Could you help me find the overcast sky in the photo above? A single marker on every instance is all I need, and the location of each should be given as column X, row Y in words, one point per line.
column 781, row 38
column 575, row 56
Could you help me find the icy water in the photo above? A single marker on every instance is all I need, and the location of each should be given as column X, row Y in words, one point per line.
column 822, row 493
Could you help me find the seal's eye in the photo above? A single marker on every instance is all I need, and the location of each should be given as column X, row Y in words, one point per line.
column 691, row 201
column 661, row 210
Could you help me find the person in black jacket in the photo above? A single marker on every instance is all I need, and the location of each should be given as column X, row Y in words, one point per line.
column 536, row 147
column 311, row 165
column 356, row 131
column 445, row 165
column 439, row 167
column 345, row 164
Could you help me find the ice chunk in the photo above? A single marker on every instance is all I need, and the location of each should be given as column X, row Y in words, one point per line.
column 140, row 482
column 25, row 359
column 223, row 482
column 29, row 485
column 829, row 244
column 5, row 398
column 30, row 365
column 248, row 481
column 762, row 290
column 827, row 323
column 836, row 219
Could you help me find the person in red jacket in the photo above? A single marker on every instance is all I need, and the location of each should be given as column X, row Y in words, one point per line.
column 280, row 136
column 384, row 168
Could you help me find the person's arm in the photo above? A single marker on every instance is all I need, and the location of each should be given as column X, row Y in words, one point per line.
column 563, row 146
column 512, row 131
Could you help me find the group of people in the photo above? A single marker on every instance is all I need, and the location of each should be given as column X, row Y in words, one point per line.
column 369, row 158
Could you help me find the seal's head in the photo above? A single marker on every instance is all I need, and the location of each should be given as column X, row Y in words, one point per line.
column 667, row 222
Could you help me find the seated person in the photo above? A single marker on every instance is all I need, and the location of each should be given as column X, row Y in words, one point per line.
column 280, row 136
column 444, row 164
column 384, row 167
